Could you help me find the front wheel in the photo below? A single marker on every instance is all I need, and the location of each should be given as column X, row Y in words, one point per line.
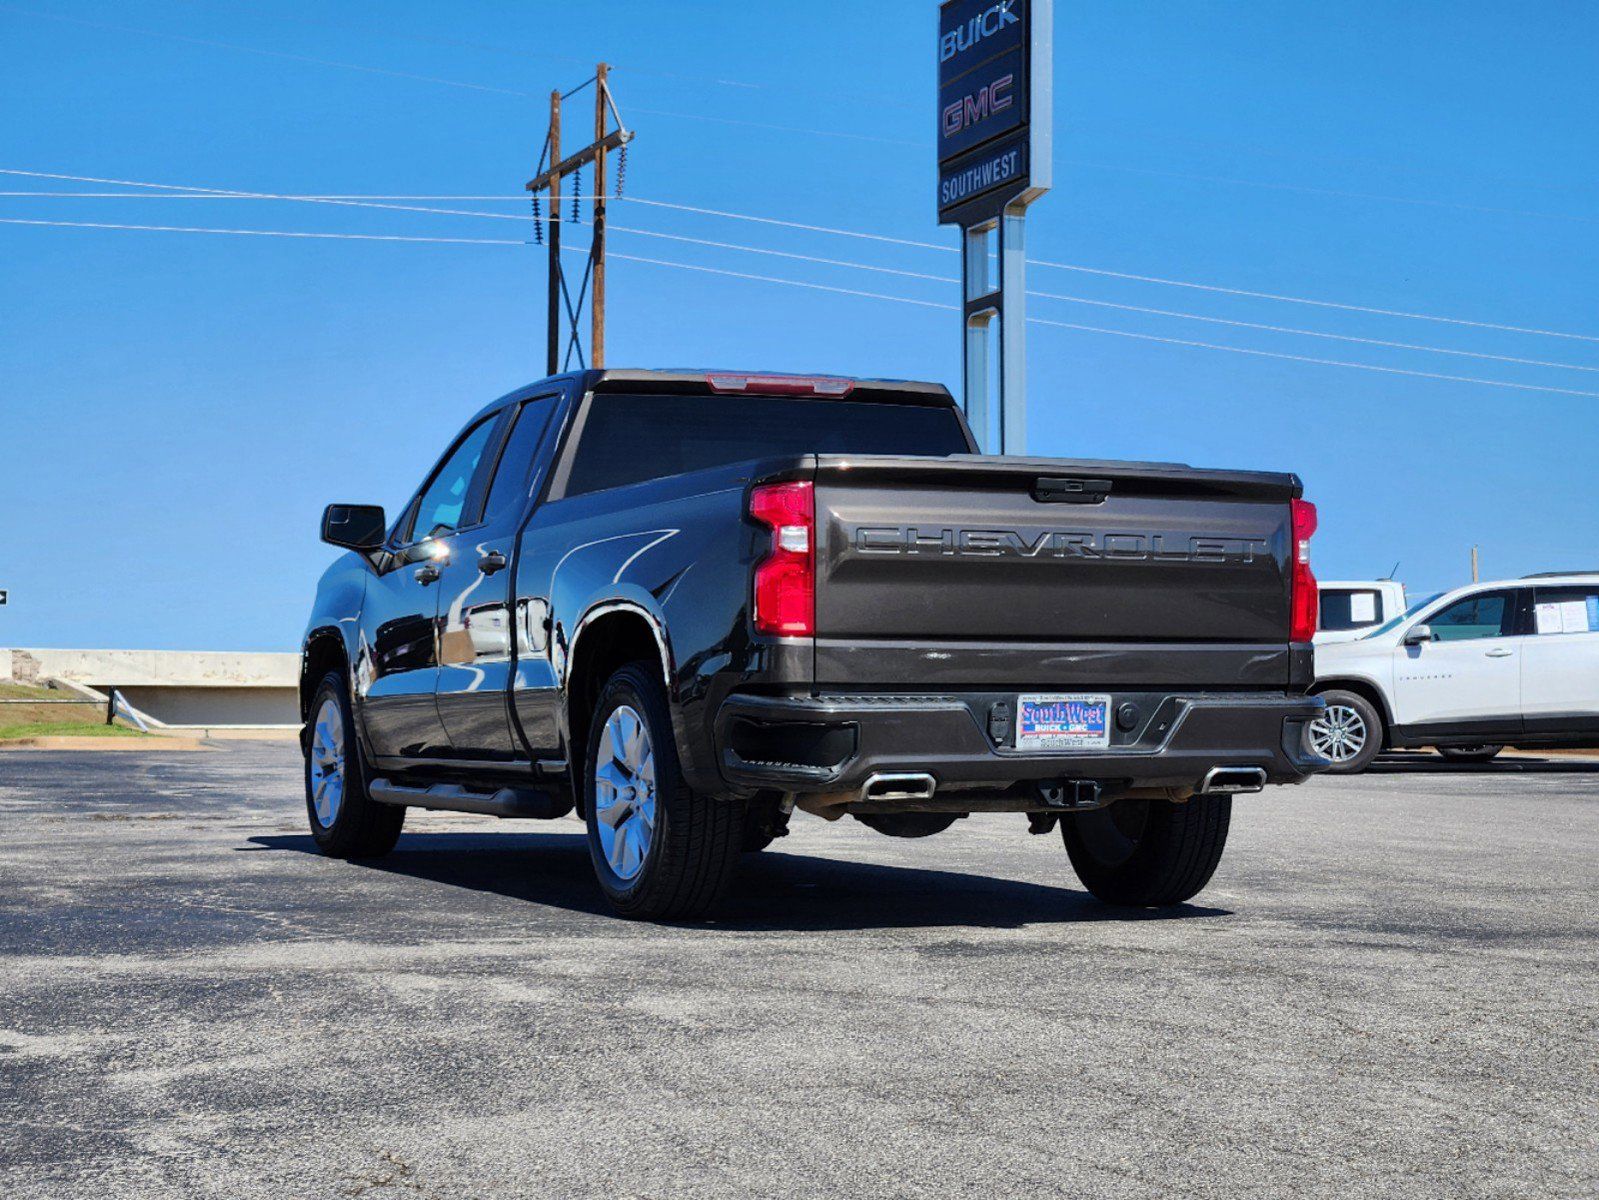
column 1148, row 853
column 345, row 821
column 1348, row 731
column 1469, row 754
column 659, row 850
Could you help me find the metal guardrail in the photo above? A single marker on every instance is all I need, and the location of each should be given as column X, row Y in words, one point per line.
column 115, row 705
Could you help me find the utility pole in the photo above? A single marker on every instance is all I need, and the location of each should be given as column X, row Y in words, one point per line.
column 563, row 340
column 1474, row 564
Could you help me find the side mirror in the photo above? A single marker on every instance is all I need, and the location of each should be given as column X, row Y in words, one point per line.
column 1418, row 635
column 354, row 526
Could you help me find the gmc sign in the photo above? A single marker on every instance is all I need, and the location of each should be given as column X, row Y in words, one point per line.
column 986, row 153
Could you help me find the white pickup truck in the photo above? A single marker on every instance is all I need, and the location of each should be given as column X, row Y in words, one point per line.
column 1351, row 609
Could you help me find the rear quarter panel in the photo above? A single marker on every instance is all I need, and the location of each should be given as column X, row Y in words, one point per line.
column 677, row 549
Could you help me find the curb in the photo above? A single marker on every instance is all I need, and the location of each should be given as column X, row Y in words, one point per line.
column 158, row 744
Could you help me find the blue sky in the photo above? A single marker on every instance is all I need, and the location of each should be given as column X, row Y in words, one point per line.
column 176, row 408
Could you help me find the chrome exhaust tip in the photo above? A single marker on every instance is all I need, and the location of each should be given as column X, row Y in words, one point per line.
column 899, row 785
column 1233, row 780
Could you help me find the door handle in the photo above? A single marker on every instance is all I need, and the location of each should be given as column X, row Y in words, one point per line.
column 427, row 575
column 491, row 561
column 1499, row 653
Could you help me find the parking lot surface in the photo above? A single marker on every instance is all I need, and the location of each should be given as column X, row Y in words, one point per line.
column 1391, row 989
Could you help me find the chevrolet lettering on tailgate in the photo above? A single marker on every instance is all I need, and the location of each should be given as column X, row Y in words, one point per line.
column 1055, row 543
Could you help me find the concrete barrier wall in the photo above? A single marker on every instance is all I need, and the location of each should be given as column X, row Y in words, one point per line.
column 160, row 668
column 215, row 689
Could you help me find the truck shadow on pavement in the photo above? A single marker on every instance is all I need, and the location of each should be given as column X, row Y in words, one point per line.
column 1424, row 763
column 773, row 890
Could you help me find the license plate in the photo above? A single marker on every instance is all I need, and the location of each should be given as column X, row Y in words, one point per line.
column 1062, row 722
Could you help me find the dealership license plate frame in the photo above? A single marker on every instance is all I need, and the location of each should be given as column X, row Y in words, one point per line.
column 1094, row 734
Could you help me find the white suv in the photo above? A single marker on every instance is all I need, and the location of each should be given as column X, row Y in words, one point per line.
column 1469, row 672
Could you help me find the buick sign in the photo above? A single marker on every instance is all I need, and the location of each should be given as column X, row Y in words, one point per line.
column 988, row 151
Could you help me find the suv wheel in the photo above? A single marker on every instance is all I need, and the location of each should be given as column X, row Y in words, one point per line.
column 659, row 850
column 345, row 821
column 1349, row 732
column 1148, row 853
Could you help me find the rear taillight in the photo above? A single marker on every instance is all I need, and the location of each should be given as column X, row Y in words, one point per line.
column 785, row 580
column 1304, row 603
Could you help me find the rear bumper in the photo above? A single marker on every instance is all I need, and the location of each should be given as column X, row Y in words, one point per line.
column 835, row 743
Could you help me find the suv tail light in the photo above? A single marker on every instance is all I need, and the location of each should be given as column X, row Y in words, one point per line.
column 785, row 580
column 1304, row 602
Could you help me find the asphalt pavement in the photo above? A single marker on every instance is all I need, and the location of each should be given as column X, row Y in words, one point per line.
column 1391, row 988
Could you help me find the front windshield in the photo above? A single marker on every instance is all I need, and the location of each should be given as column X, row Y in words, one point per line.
column 1389, row 626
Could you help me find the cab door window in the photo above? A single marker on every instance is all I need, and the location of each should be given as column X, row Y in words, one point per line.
column 442, row 506
column 1486, row 615
column 513, row 473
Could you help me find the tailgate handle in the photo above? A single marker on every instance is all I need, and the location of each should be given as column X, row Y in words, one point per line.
column 1071, row 491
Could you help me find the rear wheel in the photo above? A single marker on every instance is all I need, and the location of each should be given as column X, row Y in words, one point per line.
column 1469, row 754
column 345, row 821
column 1148, row 853
column 659, row 850
column 1349, row 732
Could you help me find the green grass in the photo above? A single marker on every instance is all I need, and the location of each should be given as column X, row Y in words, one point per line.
column 52, row 720
column 37, row 729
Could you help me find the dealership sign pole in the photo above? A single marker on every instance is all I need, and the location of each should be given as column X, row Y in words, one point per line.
column 994, row 104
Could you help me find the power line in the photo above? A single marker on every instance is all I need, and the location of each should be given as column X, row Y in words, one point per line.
column 1382, row 312
column 174, row 195
column 1037, row 262
column 1315, row 333
column 815, row 287
column 218, row 193
column 1147, row 337
column 1159, row 312
column 819, row 287
column 286, row 233
column 909, row 242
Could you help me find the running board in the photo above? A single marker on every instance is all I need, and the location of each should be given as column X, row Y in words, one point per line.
column 452, row 797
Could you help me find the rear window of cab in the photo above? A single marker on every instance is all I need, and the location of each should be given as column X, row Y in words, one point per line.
column 629, row 437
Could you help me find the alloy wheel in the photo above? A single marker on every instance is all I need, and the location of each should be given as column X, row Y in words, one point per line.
column 327, row 763
column 1340, row 733
column 624, row 792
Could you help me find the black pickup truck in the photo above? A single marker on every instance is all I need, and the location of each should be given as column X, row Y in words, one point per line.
column 688, row 603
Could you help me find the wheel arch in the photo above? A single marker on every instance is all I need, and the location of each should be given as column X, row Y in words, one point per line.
column 609, row 635
column 324, row 651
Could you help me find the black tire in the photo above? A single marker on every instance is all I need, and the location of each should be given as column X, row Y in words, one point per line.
column 694, row 846
column 1469, row 754
column 361, row 827
column 1369, row 719
column 1148, row 853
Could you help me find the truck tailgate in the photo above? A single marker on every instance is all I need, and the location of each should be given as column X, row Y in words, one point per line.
column 986, row 570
